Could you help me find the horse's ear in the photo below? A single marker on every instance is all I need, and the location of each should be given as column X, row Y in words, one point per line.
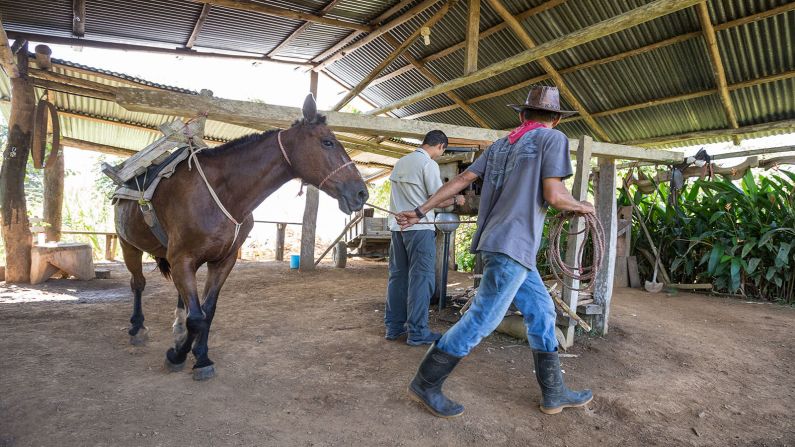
column 310, row 108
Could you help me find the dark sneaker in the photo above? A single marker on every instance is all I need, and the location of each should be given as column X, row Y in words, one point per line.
column 392, row 336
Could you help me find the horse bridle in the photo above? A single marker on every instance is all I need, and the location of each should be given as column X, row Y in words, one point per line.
column 289, row 163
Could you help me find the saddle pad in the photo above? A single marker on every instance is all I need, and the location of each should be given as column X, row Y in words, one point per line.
column 153, row 175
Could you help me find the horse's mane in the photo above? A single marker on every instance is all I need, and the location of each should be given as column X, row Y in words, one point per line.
column 256, row 137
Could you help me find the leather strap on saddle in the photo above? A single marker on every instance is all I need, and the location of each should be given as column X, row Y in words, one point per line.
column 151, row 220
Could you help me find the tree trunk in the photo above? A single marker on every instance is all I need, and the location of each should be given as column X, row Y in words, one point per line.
column 15, row 224
column 53, row 196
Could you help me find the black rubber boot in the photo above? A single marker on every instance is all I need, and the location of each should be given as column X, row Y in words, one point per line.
column 550, row 378
column 426, row 388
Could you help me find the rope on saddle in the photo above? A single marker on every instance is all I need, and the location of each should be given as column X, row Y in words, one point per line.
column 593, row 232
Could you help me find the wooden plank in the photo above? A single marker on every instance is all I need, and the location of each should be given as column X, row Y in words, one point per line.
column 547, row 66
column 604, row 28
column 79, row 18
column 606, row 212
column 717, row 66
column 471, row 41
column 97, row 147
column 402, row 47
column 580, row 192
column 248, row 5
column 181, row 51
column 258, row 116
column 634, row 274
column 375, row 33
column 198, row 26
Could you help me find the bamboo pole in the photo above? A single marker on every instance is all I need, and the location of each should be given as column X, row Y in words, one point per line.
column 565, row 91
column 197, row 27
column 717, row 67
column 784, row 125
column 402, row 47
column 604, row 28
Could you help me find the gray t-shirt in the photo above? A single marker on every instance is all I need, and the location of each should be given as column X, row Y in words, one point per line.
column 512, row 221
column 414, row 178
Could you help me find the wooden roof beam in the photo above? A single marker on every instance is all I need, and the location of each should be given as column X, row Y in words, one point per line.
column 604, row 28
column 287, row 40
column 149, row 49
column 688, row 96
column 400, row 49
column 97, row 147
column 717, row 67
column 198, row 26
column 786, row 125
column 378, row 31
column 79, row 18
column 350, row 37
column 556, row 77
column 248, row 5
column 256, row 115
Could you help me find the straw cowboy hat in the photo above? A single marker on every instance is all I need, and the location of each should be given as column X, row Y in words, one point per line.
column 542, row 97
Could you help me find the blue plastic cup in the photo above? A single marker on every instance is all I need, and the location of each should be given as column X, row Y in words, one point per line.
column 295, row 261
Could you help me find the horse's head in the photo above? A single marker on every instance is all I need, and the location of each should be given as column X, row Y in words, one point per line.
column 320, row 160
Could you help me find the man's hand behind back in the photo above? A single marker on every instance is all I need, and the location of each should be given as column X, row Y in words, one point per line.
column 406, row 219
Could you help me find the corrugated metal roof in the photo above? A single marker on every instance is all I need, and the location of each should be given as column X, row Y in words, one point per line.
column 749, row 51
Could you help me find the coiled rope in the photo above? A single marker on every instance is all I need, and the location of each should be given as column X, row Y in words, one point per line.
column 593, row 232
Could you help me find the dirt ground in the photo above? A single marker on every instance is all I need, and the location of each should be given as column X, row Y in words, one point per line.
column 301, row 360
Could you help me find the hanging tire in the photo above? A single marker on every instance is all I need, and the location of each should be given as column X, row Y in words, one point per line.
column 339, row 254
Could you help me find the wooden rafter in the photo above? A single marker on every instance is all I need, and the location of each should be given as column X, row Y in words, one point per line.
column 79, row 18
column 614, row 58
column 198, row 26
column 301, row 29
column 604, row 28
column 248, row 5
column 380, row 30
column 717, row 66
column 150, row 49
column 350, row 37
column 400, row 49
column 685, row 97
column 471, row 41
column 786, row 125
column 97, row 147
column 556, row 77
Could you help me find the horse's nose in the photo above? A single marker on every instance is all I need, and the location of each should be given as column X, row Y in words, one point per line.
column 362, row 195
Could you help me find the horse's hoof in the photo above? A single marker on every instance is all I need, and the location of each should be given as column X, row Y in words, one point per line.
column 139, row 339
column 173, row 367
column 204, row 373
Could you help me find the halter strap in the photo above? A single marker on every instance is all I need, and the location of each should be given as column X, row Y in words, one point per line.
column 287, row 159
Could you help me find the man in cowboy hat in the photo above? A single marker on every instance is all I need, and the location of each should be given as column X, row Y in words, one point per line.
column 522, row 174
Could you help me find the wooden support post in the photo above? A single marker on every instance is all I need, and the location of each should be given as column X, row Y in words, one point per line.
column 54, row 169
column 110, row 247
column 280, row 231
column 623, row 246
column 606, row 213
column 580, row 192
column 604, row 28
column 79, row 18
column 15, row 225
column 43, row 57
column 310, row 210
column 473, row 29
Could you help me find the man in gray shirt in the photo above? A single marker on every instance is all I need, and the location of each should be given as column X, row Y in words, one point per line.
column 522, row 174
column 412, row 264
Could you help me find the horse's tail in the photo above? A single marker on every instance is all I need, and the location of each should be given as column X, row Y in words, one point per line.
column 164, row 267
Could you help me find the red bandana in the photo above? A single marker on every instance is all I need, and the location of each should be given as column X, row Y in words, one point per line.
column 526, row 126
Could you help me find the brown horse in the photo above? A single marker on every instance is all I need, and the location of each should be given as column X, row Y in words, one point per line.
column 242, row 173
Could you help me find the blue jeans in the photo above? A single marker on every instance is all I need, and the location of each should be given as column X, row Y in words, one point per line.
column 412, row 278
column 504, row 280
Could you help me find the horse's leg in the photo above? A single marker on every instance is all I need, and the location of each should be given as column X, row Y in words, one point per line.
column 132, row 259
column 179, row 329
column 183, row 272
column 217, row 272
